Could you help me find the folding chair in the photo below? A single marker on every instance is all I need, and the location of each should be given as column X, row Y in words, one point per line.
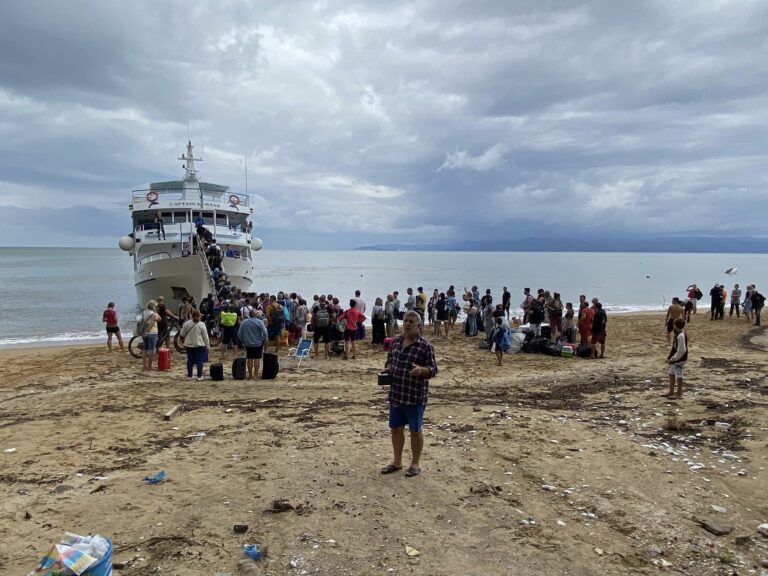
column 301, row 351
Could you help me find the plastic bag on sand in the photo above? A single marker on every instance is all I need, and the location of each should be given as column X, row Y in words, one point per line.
column 74, row 555
column 158, row 478
column 516, row 340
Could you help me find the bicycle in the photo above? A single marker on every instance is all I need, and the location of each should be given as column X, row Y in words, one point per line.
column 136, row 344
column 214, row 336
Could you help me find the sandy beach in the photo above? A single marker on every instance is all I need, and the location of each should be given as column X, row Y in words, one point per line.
column 542, row 466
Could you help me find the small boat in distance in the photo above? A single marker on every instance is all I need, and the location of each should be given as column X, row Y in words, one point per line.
column 170, row 221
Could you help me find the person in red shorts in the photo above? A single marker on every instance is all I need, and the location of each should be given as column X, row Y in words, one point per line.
column 586, row 316
column 599, row 323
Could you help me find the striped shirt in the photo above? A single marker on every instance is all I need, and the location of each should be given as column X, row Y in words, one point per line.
column 405, row 389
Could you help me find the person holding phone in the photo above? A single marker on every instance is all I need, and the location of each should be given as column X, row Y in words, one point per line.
column 411, row 362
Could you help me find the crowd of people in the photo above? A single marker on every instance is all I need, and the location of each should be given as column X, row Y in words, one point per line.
column 340, row 328
column 249, row 321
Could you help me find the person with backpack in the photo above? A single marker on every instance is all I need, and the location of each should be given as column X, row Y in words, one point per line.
column 389, row 316
column 228, row 318
column 758, row 301
column 676, row 360
column 599, row 323
column 536, row 316
column 378, row 322
column 716, row 299
column 300, row 316
column 694, row 295
column 275, row 321
column 442, row 314
column 321, row 322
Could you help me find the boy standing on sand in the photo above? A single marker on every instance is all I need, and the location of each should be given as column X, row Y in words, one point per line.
column 498, row 339
column 676, row 360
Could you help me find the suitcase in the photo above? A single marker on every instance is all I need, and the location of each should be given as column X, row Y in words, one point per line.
column 530, row 347
column 271, row 366
column 567, row 351
column 163, row 359
column 541, row 344
column 583, row 351
column 551, row 348
column 217, row 371
column 546, row 332
column 238, row 369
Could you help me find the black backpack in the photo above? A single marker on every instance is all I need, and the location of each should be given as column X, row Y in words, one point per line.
column 278, row 316
column 322, row 317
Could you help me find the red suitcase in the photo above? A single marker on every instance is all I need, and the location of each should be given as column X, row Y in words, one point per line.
column 163, row 359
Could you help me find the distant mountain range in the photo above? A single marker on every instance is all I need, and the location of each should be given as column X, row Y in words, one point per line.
column 609, row 243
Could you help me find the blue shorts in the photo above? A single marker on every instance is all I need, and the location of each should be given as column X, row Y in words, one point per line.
column 402, row 414
column 150, row 342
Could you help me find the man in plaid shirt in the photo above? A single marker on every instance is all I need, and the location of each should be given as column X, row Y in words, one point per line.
column 411, row 362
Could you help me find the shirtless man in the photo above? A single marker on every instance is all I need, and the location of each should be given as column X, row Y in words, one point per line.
column 674, row 312
column 526, row 304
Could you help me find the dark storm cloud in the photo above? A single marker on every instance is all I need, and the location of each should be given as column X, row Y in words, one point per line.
column 393, row 121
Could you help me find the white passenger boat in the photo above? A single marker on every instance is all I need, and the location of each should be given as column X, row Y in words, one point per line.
column 169, row 260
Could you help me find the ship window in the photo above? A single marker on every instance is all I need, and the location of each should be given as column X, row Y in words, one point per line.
column 167, row 216
column 221, row 219
column 179, row 216
column 208, row 217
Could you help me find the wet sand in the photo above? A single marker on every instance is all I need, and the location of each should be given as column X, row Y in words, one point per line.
column 544, row 465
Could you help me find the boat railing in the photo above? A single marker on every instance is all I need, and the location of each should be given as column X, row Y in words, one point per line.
column 153, row 195
column 208, row 272
column 153, row 257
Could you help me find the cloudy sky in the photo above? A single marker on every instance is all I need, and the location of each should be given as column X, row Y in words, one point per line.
column 386, row 121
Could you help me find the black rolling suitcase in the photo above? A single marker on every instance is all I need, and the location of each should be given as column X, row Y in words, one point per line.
column 271, row 366
column 238, row 369
column 583, row 351
column 546, row 332
column 217, row 371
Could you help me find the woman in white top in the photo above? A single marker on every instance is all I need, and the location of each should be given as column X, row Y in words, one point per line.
column 196, row 344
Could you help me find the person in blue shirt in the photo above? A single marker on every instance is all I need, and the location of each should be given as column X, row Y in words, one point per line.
column 252, row 334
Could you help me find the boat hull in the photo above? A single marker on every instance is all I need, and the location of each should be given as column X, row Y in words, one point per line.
column 173, row 278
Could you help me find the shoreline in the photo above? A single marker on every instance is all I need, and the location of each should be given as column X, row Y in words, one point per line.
column 102, row 339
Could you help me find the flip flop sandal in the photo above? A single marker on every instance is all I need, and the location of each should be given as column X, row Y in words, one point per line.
column 390, row 468
column 411, row 472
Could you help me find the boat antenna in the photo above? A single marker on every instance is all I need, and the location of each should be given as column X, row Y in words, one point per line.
column 245, row 160
column 189, row 162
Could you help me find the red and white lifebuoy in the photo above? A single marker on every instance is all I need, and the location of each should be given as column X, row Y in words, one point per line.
column 234, row 199
column 152, row 196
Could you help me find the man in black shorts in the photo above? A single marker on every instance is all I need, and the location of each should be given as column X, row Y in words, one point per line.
column 252, row 334
column 321, row 325
column 505, row 300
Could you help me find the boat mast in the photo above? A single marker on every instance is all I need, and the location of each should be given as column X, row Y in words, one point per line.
column 189, row 166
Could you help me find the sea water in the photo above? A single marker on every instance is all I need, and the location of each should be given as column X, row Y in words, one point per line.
column 57, row 295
